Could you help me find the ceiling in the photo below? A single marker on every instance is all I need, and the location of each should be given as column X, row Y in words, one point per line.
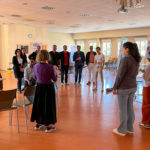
column 73, row 16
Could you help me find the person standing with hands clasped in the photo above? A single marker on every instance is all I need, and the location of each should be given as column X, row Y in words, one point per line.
column 18, row 63
column 125, row 87
column 44, row 106
column 65, row 60
column 79, row 59
column 99, row 65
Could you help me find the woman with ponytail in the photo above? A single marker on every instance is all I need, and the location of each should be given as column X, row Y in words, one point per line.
column 125, row 87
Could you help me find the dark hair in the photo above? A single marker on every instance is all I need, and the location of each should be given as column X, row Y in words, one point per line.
column 98, row 48
column 133, row 50
column 17, row 51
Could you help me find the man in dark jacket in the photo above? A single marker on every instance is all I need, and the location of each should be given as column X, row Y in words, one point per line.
column 55, row 57
column 90, row 63
column 64, row 57
column 33, row 55
column 79, row 59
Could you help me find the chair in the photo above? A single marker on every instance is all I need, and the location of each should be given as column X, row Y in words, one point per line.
column 28, row 99
column 6, row 104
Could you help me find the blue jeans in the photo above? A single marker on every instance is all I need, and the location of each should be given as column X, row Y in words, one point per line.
column 78, row 72
column 125, row 102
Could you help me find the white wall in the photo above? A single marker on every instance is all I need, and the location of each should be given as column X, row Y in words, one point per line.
column 11, row 35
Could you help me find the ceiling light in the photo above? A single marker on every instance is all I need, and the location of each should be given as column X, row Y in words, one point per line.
column 84, row 15
column 51, row 22
column 28, row 20
column 15, row 15
column 48, row 8
column 24, row 3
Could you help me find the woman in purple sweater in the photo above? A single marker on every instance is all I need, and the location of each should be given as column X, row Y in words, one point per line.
column 44, row 107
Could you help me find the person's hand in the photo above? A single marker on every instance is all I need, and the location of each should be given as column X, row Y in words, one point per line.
column 56, row 69
column 79, row 58
column 114, row 92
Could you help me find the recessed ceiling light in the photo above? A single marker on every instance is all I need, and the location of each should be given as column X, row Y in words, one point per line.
column 68, row 12
column 132, row 24
column 77, row 24
column 74, row 26
column 51, row 22
column 48, row 8
column 28, row 20
column 15, row 15
column 84, row 15
column 111, row 20
column 24, row 3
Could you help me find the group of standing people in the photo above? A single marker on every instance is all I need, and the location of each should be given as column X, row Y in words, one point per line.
column 45, row 73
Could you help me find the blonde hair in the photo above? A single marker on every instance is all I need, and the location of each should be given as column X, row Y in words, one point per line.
column 43, row 55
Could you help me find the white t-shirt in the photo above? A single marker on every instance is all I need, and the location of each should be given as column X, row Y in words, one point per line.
column 100, row 59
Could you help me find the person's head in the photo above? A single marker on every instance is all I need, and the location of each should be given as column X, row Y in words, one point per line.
column 65, row 47
column 23, row 51
column 148, row 56
column 78, row 48
column 98, row 50
column 38, row 48
column 54, row 48
column 31, row 62
column 130, row 48
column 91, row 48
column 43, row 56
column 17, row 52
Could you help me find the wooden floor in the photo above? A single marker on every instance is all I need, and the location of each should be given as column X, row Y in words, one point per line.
column 85, row 122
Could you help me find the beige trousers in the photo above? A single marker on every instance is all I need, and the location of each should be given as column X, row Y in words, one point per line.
column 99, row 70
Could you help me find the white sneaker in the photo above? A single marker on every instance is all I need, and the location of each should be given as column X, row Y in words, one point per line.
column 131, row 132
column 62, row 84
column 118, row 133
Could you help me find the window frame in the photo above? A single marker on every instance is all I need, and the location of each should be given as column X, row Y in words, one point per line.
column 107, row 41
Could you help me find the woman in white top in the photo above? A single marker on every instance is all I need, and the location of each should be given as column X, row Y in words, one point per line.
column 99, row 65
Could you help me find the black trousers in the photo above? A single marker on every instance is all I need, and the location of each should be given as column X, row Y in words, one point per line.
column 19, row 83
column 64, row 71
column 78, row 74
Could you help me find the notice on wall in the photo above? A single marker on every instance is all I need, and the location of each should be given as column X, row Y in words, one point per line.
column 33, row 46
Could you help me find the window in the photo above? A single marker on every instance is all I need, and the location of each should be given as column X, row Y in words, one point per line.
column 81, row 43
column 120, row 44
column 106, row 45
column 142, row 45
column 93, row 43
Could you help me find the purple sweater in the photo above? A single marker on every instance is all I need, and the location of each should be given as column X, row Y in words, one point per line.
column 44, row 73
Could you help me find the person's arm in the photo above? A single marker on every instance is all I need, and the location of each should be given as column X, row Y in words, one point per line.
column 31, row 56
column 53, row 74
column 74, row 56
column 146, row 75
column 87, row 58
column 121, row 72
column 83, row 58
column 103, row 61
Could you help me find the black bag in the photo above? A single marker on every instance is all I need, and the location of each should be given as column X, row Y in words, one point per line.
column 32, row 82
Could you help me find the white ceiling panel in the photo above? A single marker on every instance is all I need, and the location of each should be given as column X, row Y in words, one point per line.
column 67, row 15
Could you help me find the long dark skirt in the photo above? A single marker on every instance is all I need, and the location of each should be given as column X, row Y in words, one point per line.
column 44, row 107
